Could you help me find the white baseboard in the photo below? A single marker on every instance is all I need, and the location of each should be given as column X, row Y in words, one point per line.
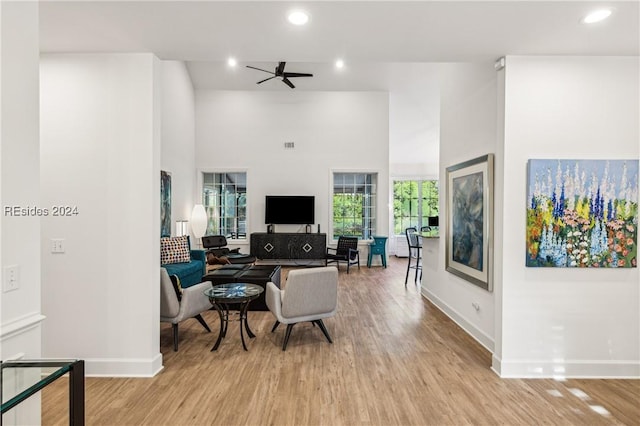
column 480, row 336
column 539, row 369
column 123, row 367
column 566, row 369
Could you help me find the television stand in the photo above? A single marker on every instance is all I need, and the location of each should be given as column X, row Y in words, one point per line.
column 288, row 246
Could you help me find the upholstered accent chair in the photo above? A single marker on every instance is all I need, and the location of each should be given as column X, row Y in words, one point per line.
column 346, row 251
column 178, row 304
column 217, row 245
column 309, row 295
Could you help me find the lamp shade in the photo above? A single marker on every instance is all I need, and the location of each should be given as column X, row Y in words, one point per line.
column 198, row 221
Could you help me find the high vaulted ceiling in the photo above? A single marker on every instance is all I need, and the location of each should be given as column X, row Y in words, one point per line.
column 386, row 45
column 366, row 34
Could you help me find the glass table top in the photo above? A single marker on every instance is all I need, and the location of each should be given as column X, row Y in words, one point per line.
column 22, row 378
column 234, row 291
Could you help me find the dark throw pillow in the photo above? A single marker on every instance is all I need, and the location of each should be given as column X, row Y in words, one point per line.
column 176, row 286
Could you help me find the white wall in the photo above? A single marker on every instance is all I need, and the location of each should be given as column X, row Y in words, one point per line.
column 20, row 166
column 566, row 322
column 238, row 130
column 467, row 130
column 178, row 138
column 414, row 131
column 20, row 318
column 540, row 322
column 414, row 119
column 100, row 152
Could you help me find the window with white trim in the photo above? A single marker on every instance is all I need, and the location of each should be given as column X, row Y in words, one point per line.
column 224, row 196
column 354, row 204
column 414, row 202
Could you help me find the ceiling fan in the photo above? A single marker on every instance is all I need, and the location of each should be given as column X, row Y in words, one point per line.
column 279, row 72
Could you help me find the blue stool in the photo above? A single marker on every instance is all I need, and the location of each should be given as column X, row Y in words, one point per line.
column 378, row 246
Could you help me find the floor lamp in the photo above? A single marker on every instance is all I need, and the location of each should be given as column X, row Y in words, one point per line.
column 198, row 222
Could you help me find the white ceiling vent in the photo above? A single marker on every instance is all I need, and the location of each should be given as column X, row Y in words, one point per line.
column 289, row 145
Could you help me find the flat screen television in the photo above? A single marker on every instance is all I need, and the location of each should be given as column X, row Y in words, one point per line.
column 290, row 209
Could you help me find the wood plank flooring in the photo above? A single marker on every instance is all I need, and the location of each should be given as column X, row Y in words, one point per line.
column 396, row 360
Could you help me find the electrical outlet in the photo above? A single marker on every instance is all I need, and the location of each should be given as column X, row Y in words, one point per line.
column 10, row 278
column 57, row 245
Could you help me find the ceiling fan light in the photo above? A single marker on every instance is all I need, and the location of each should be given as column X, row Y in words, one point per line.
column 232, row 62
column 597, row 16
column 339, row 64
column 298, row 17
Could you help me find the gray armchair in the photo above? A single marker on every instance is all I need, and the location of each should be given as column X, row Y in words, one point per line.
column 309, row 295
column 191, row 305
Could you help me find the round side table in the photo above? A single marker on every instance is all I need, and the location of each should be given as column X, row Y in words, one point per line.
column 223, row 295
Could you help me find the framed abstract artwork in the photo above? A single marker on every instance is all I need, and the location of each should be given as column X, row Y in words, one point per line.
column 165, row 204
column 469, row 220
column 582, row 214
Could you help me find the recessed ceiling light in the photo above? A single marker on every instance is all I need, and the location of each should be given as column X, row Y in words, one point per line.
column 232, row 62
column 298, row 17
column 339, row 63
column 597, row 16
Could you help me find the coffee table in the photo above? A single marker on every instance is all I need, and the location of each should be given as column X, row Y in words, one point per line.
column 223, row 295
column 254, row 274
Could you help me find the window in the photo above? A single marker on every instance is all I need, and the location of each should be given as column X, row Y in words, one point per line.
column 224, row 196
column 354, row 204
column 414, row 201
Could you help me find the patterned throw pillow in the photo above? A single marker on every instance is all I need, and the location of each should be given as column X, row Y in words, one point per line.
column 174, row 250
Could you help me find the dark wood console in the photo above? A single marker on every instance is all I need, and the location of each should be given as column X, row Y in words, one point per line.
column 288, row 245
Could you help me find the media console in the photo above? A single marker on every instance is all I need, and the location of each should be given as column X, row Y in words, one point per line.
column 288, row 246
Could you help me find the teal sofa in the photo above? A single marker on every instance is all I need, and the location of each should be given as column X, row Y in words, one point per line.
column 190, row 273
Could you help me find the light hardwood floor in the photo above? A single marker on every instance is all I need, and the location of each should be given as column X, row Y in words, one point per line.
column 396, row 360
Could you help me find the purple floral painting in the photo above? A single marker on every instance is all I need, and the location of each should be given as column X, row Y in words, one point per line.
column 582, row 213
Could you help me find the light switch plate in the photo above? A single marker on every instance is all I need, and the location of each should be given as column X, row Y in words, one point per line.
column 57, row 245
column 10, row 278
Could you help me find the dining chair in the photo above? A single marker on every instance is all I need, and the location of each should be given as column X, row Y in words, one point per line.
column 415, row 252
column 346, row 251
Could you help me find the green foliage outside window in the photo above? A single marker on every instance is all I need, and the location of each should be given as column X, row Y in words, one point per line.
column 414, row 201
column 354, row 200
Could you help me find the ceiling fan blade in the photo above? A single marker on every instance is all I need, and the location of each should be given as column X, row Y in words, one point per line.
column 266, row 79
column 259, row 69
column 297, row 74
column 280, row 68
column 288, row 83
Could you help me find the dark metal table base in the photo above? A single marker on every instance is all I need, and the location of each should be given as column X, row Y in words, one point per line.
column 223, row 312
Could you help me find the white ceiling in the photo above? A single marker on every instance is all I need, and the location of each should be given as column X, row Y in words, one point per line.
column 386, row 45
column 366, row 34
